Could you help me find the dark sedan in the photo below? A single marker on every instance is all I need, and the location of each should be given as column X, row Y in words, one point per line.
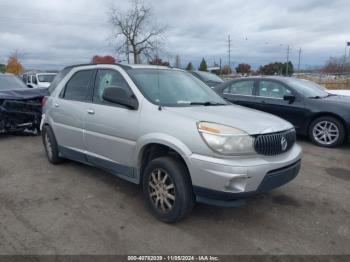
column 210, row 79
column 323, row 117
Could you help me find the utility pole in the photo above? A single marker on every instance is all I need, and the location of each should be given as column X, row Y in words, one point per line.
column 287, row 61
column 229, row 51
column 299, row 60
column 344, row 62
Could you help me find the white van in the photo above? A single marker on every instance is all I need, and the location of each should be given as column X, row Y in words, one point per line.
column 39, row 79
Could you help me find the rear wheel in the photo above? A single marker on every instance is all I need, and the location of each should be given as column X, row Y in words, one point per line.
column 327, row 131
column 167, row 189
column 50, row 145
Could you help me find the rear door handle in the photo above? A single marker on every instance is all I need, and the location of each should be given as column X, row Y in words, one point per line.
column 90, row 111
column 56, row 105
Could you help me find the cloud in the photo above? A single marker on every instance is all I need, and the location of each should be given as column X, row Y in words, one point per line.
column 56, row 33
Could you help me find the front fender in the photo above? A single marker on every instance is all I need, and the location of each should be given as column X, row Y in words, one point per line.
column 162, row 139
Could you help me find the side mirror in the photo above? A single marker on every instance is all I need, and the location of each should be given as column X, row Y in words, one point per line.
column 289, row 98
column 119, row 96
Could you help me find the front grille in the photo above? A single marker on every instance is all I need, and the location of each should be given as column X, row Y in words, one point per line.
column 275, row 143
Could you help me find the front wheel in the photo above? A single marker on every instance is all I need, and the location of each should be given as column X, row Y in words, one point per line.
column 167, row 189
column 327, row 132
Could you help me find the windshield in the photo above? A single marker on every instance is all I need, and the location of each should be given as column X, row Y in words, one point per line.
column 173, row 88
column 209, row 77
column 46, row 78
column 10, row 82
column 308, row 88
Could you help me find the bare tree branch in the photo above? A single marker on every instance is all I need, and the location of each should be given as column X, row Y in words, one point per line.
column 135, row 32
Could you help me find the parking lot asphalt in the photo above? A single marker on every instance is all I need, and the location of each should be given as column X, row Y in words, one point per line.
column 77, row 209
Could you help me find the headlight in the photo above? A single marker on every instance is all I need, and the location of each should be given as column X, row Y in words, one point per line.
column 225, row 139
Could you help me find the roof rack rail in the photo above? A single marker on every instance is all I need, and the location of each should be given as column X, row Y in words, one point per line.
column 126, row 67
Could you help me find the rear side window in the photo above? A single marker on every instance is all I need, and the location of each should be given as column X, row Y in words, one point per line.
column 240, row 88
column 273, row 89
column 77, row 87
column 58, row 79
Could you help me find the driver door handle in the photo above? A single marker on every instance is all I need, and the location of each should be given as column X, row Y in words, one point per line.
column 90, row 111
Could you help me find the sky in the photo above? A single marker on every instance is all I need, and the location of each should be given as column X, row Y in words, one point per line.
column 56, row 33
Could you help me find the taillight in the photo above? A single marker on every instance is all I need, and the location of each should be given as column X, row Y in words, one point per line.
column 43, row 101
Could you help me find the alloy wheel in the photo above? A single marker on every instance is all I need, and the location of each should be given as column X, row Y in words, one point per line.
column 326, row 132
column 161, row 190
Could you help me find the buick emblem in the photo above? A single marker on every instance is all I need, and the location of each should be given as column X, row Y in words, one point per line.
column 284, row 144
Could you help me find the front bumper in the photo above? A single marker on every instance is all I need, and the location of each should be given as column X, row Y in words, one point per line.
column 216, row 179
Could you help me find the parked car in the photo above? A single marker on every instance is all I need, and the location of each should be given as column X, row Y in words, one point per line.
column 323, row 117
column 40, row 80
column 210, row 79
column 164, row 129
column 20, row 107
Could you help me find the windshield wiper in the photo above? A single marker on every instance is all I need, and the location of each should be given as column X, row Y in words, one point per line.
column 207, row 103
column 316, row 97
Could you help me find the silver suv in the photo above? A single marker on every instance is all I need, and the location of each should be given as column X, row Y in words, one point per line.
column 166, row 130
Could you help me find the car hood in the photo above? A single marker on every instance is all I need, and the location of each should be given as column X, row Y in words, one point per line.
column 335, row 103
column 23, row 94
column 249, row 120
column 338, row 99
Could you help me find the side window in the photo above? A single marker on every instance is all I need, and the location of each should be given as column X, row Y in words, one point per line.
column 77, row 87
column 34, row 80
column 108, row 78
column 273, row 89
column 240, row 88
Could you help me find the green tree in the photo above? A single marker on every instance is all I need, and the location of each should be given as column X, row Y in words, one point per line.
column 277, row 68
column 189, row 67
column 2, row 68
column 203, row 66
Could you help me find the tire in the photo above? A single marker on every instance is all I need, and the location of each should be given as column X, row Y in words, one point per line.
column 177, row 184
column 50, row 144
column 327, row 131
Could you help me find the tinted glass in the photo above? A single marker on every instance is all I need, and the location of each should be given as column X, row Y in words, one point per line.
column 240, row 88
column 58, row 79
column 273, row 89
column 78, row 86
column 10, row 82
column 108, row 78
column 172, row 87
column 34, row 80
